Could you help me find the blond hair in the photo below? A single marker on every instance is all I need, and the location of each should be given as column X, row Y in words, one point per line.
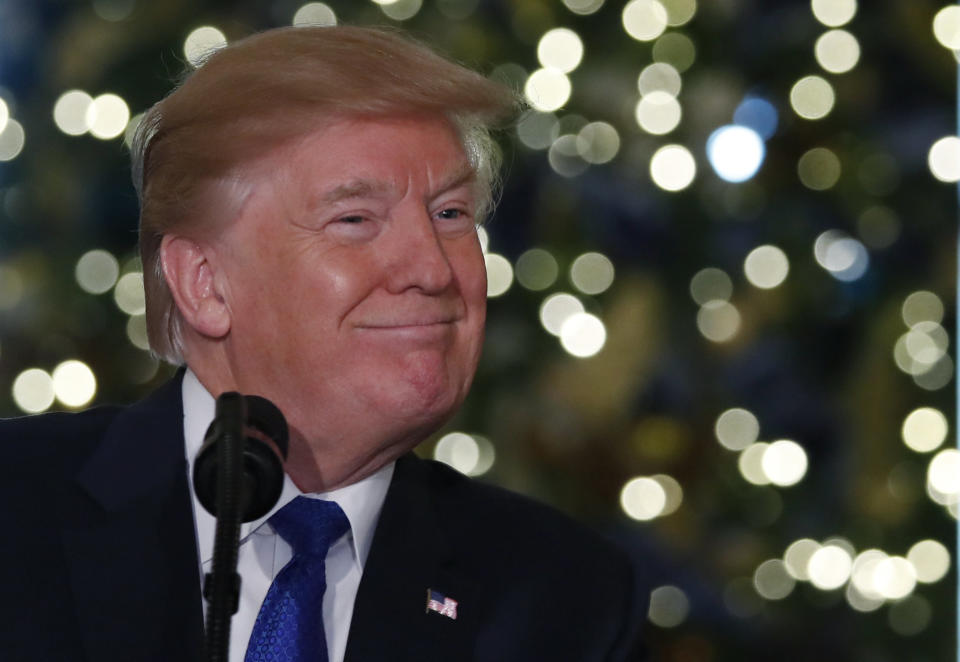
column 264, row 91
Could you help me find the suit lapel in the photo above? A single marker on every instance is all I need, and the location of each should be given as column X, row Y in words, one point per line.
column 411, row 554
column 131, row 547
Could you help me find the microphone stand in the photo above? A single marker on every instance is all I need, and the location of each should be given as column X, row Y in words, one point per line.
column 237, row 478
column 222, row 585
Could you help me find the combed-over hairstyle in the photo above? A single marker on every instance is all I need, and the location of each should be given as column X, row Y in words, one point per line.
column 266, row 91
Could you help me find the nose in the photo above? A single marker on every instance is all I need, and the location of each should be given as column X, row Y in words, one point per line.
column 419, row 258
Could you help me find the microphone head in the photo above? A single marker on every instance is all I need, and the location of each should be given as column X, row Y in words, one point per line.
column 261, row 464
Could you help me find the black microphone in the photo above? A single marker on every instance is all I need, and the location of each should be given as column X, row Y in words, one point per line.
column 261, row 466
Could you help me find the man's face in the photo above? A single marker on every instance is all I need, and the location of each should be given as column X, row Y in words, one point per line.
column 356, row 287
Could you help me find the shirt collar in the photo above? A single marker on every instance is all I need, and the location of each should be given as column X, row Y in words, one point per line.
column 361, row 501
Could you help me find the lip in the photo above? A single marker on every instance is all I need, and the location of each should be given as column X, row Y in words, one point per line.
column 424, row 331
column 408, row 327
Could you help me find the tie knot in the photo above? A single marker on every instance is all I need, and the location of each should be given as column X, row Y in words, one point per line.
column 310, row 526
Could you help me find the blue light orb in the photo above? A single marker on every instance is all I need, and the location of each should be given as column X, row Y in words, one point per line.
column 757, row 114
column 735, row 152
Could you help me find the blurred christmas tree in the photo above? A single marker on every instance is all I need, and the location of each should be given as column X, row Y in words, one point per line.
column 721, row 278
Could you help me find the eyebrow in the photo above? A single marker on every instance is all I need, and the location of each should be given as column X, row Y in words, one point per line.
column 359, row 188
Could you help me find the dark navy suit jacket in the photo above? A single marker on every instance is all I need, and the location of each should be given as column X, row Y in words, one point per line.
column 99, row 561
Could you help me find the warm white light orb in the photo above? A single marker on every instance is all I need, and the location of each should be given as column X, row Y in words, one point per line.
column 561, row 49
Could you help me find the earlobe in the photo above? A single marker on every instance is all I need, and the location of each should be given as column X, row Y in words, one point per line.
column 192, row 282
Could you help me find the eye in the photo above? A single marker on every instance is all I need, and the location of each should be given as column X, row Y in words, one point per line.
column 351, row 220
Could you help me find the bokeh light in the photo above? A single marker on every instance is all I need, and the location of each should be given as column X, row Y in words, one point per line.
column 74, row 384
column 930, row 560
column 536, row 269
column 679, row 12
column 70, row 112
column 894, row 578
column 672, row 491
column 128, row 294
column 401, row 10
column 812, row 97
column 592, row 273
column 107, row 116
column 924, row 429
column 675, row 49
column 583, row 7
column 757, row 114
column 201, row 42
column 829, row 567
column 837, row 51
column 4, row 114
column 736, row 429
column 878, row 226
column 469, row 454
column 819, row 169
column 766, row 267
column 658, row 113
column 784, row 463
column 564, row 157
column 659, row 77
column 711, row 284
column 673, row 168
column 750, row 463
column 943, row 159
column 583, row 334
column 718, row 321
column 922, row 306
column 644, row 20
column 560, row 49
column 137, row 332
column 735, row 152
column 797, row 556
column 910, row 616
column 12, row 140
column 943, row 474
column 538, row 130
column 834, row 13
column 97, row 271
column 499, row 274
column 547, row 89
column 863, row 579
column 314, row 13
column 844, row 257
column 33, row 391
column 484, row 238
column 643, row 498
column 556, row 309
column 772, row 580
column 669, row 606
column 946, row 27
column 598, row 142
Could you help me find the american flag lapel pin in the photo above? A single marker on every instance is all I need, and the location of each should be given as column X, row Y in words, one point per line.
column 441, row 604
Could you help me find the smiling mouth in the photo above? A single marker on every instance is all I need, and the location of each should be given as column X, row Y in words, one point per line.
column 405, row 326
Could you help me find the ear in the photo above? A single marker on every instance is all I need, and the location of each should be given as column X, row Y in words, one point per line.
column 191, row 279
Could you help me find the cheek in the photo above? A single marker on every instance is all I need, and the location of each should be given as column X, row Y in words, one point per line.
column 472, row 276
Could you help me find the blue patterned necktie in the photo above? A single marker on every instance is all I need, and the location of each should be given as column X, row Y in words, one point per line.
column 289, row 627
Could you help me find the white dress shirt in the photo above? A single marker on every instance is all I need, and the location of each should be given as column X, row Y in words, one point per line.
column 263, row 553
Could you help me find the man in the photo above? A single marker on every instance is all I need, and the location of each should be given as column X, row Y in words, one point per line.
column 309, row 202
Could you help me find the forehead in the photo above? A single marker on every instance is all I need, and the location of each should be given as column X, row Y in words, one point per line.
column 351, row 157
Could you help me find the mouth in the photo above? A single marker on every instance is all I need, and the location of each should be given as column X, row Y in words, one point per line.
column 409, row 330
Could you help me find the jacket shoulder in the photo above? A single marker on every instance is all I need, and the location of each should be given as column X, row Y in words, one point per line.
column 53, row 443
column 477, row 509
